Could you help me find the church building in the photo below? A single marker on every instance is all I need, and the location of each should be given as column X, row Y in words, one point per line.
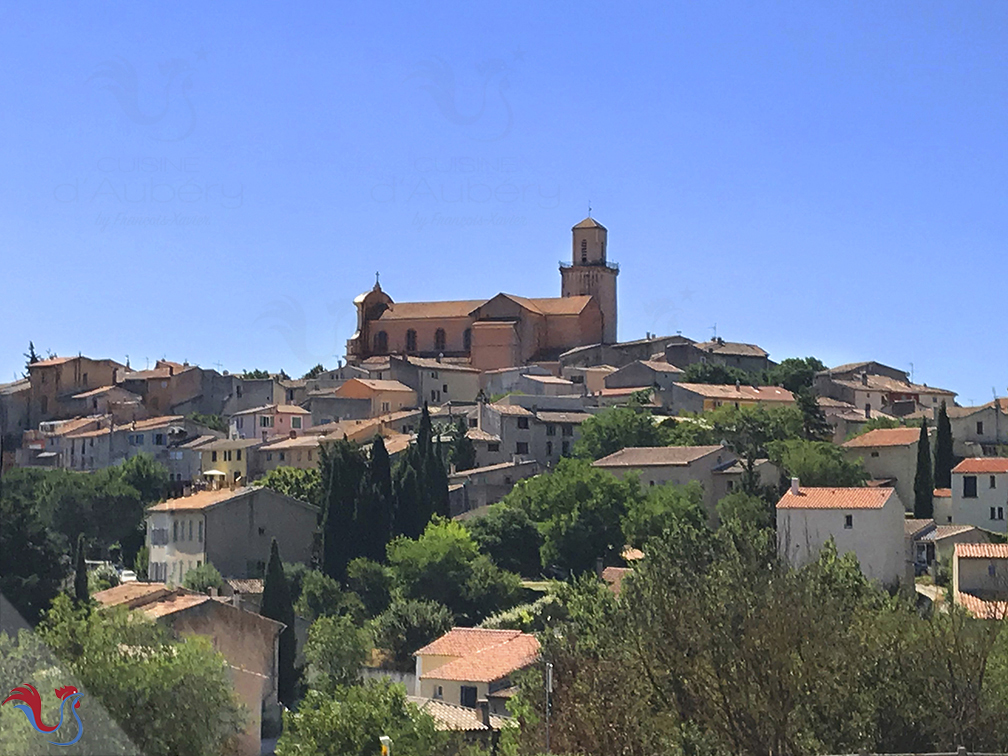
column 505, row 330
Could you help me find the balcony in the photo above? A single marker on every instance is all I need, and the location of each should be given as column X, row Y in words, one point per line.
column 610, row 265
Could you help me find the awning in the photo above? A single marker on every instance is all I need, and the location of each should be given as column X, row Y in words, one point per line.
column 216, row 472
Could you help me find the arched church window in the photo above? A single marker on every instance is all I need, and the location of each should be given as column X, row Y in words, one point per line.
column 467, row 339
column 584, row 250
column 381, row 343
column 410, row 340
column 439, row 340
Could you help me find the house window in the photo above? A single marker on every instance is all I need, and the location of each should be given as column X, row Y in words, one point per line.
column 493, row 447
column 550, row 430
column 159, row 439
column 848, row 522
column 567, row 430
column 84, row 379
column 439, row 340
column 874, row 453
column 266, row 421
column 445, row 388
column 200, row 531
column 269, row 456
column 439, row 692
column 433, row 395
column 521, row 447
column 386, row 406
column 174, row 534
column 991, row 569
column 969, row 487
column 309, row 455
column 467, row 339
column 467, row 696
column 282, row 456
column 472, row 422
column 979, row 427
column 381, row 342
column 993, row 482
column 190, row 530
column 410, row 340
column 213, row 456
column 565, row 448
column 549, row 448
column 295, row 422
column 523, row 423
column 731, row 485
column 262, row 531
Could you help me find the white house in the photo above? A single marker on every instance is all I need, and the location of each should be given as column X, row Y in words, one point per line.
column 889, row 453
column 980, row 493
column 865, row 521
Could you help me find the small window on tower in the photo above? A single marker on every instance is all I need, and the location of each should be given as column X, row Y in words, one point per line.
column 584, row 250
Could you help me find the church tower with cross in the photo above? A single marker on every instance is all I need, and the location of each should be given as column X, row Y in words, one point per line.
column 589, row 272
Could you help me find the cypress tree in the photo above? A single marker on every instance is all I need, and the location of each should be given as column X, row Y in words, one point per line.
column 923, row 480
column 343, row 468
column 277, row 605
column 409, row 509
column 374, row 514
column 80, row 573
column 943, row 450
column 437, row 482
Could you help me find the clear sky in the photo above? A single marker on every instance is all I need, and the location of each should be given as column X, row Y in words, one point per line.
column 216, row 182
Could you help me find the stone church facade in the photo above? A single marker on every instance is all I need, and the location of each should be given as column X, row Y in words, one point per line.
column 505, row 330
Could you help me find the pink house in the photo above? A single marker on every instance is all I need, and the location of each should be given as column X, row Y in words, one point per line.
column 269, row 421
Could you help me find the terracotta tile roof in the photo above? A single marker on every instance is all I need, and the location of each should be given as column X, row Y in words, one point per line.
column 432, row 364
column 397, row 442
column 146, row 375
column 377, row 385
column 912, row 527
column 661, row 367
column 982, row 465
column 947, row 531
column 292, row 409
column 139, row 426
column 590, row 222
column 511, row 409
column 131, row 594
column 449, row 716
column 300, row 442
column 548, row 379
column 66, row 427
column 742, row 393
column 255, row 410
column 836, row 498
column 981, row 609
column 250, row 585
column 575, row 418
column 476, row 434
column 174, row 603
column 103, row 390
column 231, row 443
column 649, row 456
column 15, row 387
column 462, row 641
column 200, row 500
column 943, row 493
column 494, row 656
column 424, row 310
column 732, row 347
column 613, row 577
column 562, row 305
column 50, row 362
column 981, row 550
column 891, row 385
column 885, row 437
column 197, row 442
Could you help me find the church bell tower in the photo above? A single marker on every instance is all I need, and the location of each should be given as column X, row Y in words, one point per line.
column 590, row 273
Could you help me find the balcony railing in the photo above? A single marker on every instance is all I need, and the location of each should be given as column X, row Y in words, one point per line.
column 609, row 265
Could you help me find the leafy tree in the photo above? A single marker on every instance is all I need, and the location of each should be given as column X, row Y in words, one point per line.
column 617, row 428
column 579, row 510
column 213, row 422
column 350, row 721
column 817, row 463
column 141, row 564
column 409, row 625
column 445, row 565
column 722, row 375
column 652, row 514
column 276, row 605
column 202, row 578
column 133, row 671
column 315, row 372
column 689, row 430
column 303, row 485
column 815, row 426
column 874, row 423
column 372, row 582
column 295, row 573
column 749, row 430
column 795, row 373
column 255, row 374
column 80, row 573
column 923, row 479
column 321, row 596
column 102, row 578
column 335, row 650
column 508, row 536
column 753, row 512
column 944, row 461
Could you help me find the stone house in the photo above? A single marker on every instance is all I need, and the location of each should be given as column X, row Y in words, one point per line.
column 683, row 352
column 879, row 388
column 384, row 396
column 701, row 397
column 888, row 453
column 56, row 380
column 644, row 374
column 979, row 431
column 980, row 578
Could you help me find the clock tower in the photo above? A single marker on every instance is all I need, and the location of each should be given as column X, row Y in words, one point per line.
column 590, row 273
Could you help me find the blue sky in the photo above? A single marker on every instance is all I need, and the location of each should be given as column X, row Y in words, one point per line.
column 217, row 183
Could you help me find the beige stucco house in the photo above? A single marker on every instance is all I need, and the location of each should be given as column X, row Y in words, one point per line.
column 889, row 453
column 701, row 397
column 469, row 664
column 246, row 640
column 231, row 529
column 385, row 396
column 865, row 521
column 980, row 493
column 980, row 578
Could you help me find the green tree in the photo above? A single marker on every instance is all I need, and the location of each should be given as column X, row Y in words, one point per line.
column 372, row 582
column 923, row 479
column 652, row 514
column 202, row 578
column 944, row 461
column 256, row 374
column 213, row 422
column 141, row 563
column 445, row 565
column 874, row 423
column 817, row 463
column 335, row 650
column 815, row 426
column 149, row 477
column 276, row 605
column 461, row 451
column 343, row 467
column 749, row 430
column 754, row 512
column 508, row 536
column 617, row 428
column 32, row 564
column 315, row 372
column 80, row 573
column 349, row 723
column 321, row 596
column 722, row 375
column 376, row 512
column 795, row 373
column 409, row 625
column 420, row 482
column 303, row 485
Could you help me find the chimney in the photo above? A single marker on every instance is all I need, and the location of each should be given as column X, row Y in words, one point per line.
column 795, row 486
column 440, row 356
column 864, row 379
column 484, row 707
column 738, row 385
column 599, row 567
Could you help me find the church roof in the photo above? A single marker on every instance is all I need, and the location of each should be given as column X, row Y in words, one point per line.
column 590, row 223
column 464, row 308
